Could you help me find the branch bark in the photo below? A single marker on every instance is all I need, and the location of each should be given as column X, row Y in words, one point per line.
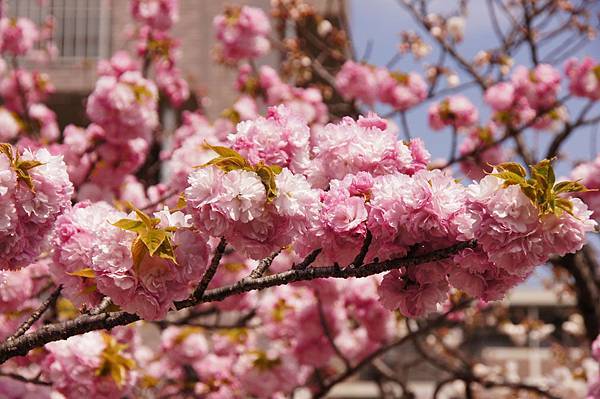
column 85, row 323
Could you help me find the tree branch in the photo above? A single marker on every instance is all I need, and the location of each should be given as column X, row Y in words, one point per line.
column 23, row 328
column 85, row 323
column 210, row 272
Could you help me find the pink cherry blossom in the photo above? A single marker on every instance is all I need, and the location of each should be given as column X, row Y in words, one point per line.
column 402, row 91
column 539, row 85
column 17, row 36
column 280, row 139
column 583, row 76
column 456, row 111
column 358, row 81
column 150, row 288
column 73, row 365
column 158, row 14
column 480, row 151
column 9, row 125
column 242, row 33
column 352, row 146
column 28, row 215
column 76, row 235
column 588, row 173
column 500, row 96
column 125, row 106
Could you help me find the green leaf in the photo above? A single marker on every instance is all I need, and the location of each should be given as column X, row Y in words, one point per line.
column 267, row 177
column 569, row 187
column 129, row 225
column 29, row 164
column 511, row 178
column 147, row 220
column 166, row 251
column 7, row 150
column 512, row 167
column 564, row 204
column 138, row 251
column 544, row 168
column 181, row 202
column 224, row 152
column 153, row 239
column 85, row 273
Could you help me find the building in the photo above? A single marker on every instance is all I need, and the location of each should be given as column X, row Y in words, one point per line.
column 89, row 30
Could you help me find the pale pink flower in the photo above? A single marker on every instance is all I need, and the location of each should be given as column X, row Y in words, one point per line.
column 349, row 147
column 539, row 85
column 17, row 36
column 588, row 173
column 125, row 106
column 28, row 215
column 73, row 364
column 456, row 111
column 477, row 146
column 583, row 76
column 415, row 292
column 76, row 235
column 158, row 14
column 402, row 91
column 150, row 288
column 357, row 81
column 280, row 139
column 9, row 125
column 500, row 96
column 242, row 33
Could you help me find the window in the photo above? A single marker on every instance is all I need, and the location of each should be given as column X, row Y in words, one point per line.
column 81, row 27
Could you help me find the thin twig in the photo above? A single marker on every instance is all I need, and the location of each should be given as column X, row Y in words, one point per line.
column 310, row 258
column 263, row 266
column 84, row 323
column 19, row 377
column 329, row 335
column 405, row 128
column 360, row 258
column 210, row 272
column 35, row 316
column 435, row 323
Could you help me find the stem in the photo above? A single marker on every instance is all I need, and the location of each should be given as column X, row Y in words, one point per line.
column 85, row 323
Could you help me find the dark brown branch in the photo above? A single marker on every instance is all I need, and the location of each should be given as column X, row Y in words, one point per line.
column 35, row 316
column 310, row 258
column 102, row 307
column 329, row 335
column 360, row 258
column 19, row 377
column 85, row 323
column 263, row 266
column 560, row 138
column 210, row 272
column 466, row 65
column 435, row 323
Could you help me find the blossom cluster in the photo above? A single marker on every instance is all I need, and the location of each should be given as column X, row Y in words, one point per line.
column 34, row 190
column 98, row 250
column 242, row 33
column 113, row 215
column 266, row 83
column 369, row 84
column 588, row 173
column 357, row 177
column 528, row 93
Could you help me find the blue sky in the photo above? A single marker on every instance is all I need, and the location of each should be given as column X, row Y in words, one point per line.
column 381, row 21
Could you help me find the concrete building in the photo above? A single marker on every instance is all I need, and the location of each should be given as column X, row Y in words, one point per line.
column 89, row 30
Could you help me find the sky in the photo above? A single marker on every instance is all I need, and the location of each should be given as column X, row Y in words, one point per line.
column 381, row 21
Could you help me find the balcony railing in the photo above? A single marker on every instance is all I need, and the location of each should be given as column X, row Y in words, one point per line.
column 82, row 27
